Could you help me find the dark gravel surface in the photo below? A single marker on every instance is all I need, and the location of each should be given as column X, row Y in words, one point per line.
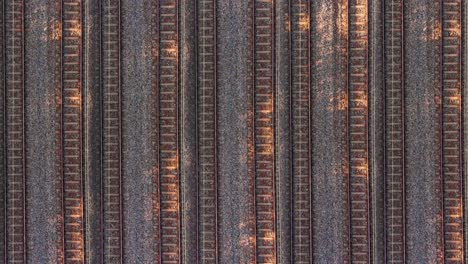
column 43, row 98
column 329, row 133
column 139, row 125
column 423, row 131
column 236, row 218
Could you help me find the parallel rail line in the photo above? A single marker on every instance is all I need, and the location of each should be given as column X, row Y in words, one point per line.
column 358, row 132
column 300, row 100
column 169, row 132
column 464, row 85
column 168, row 204
column 206, row 107
column 72, row 132
column 15, row 133
column 394, row 129
column 452, row 131
column 2, row 134
column 263, row 131
column 112, row 221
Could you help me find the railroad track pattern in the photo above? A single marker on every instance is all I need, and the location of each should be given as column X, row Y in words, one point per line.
column 72, row 132
column 300, row 105
column 15, row 138
column 281, row 132
column 168, row 131
column 207, row 165
column 452, row 131
column 111, row 133
column 2, row 134
column 264, row 127
column 394, row 130
column 299, row 237
column 464, row 72
column 358, row 132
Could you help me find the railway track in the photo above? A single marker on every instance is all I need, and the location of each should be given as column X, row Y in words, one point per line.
column 2, row 134
column 207, row 164
column 452, row 131
column 357, row 126
column 300, row 106
column 168, row 131
column 395, row 150
column 376, row 133
column 111, row 134
column 263, row 131
column 281, row 132
column 72, row 132
column 464, row 62
column 15, row 136
column 265, row 229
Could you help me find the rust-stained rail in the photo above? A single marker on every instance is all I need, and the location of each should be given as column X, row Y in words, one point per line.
column 206, row 102
column 168, row 131
column 300, row 105
column 358, row 131
column 264, row 131
column 452, row 131
column 394, row 168
column 3, row 182
column 111, row 133
column 72, row 132
column 15, row 138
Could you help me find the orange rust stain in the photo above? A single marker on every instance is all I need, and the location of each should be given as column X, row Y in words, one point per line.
column 343, row 20
column 454, row 100
column 339, row 102
column 252, row 240
column 304, row 22
column 172, row 52
column 456, row 31
column 436, row 32
column 75, row 29
column 174, row 164
column 433, row 32
column 75, row 101
column 362, row 102
column 244, row 241
column 270, row 236
column 55, row 31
